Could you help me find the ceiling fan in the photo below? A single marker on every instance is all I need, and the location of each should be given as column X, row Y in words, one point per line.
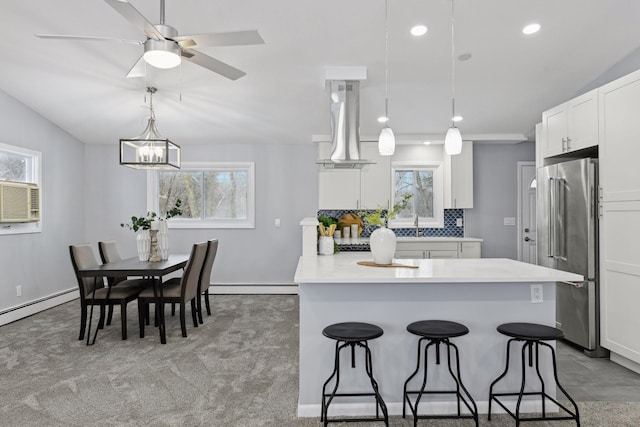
column 164, row 48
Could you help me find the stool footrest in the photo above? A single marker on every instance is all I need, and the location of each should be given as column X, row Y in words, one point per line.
column 571, row 416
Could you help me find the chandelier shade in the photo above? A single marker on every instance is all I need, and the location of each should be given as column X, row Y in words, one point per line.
column 453, row 141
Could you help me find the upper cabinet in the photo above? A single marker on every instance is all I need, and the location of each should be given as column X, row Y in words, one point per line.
column 571, row 126
column 459, row 178
column 366, row 188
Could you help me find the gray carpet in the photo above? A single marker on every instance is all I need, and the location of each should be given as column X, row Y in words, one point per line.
column 238, row 369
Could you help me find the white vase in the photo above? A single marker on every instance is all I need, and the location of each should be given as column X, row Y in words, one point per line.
column 163, row 240
column 383, row 245
column 325, row 245
column 143, row 240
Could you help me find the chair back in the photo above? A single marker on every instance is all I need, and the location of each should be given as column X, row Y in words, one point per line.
column 191, row 277
column 109, row 253
column 205, row 275
column 82, row 256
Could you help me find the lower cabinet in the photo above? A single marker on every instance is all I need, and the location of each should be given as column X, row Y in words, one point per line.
column 437, row 250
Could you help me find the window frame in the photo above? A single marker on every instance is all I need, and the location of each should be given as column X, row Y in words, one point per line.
column 437, row 221
column 35, row 178
column 176, row 222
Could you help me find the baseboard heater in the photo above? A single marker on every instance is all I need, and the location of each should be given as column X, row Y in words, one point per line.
column 27, row 309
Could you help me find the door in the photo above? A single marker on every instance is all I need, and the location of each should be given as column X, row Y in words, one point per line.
column 527, row 185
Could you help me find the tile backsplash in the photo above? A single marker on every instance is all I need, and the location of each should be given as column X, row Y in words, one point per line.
column 449, row 230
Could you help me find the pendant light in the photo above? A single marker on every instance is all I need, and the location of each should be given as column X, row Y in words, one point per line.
column 386, row 140
column 149, row 150
column 453, row 140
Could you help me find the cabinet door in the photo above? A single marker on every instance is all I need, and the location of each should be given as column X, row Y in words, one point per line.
column 582, row 121
column 620, row 216
column 375, row 179
column 462, row 178
column 442, row 254
column 470, row 250
column 554, row 124
column 338, row 189
column 409, row 254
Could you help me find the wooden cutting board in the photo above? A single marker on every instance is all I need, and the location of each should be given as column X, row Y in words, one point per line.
column 373, row 264
column 352, row 218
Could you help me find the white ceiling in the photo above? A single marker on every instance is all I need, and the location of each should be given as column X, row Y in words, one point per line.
column 501, row 91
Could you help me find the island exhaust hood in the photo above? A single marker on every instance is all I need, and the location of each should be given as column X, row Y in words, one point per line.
column 345, row 126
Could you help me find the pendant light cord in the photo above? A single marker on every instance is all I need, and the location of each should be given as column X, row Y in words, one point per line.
column 386, row 62
column 453, row 67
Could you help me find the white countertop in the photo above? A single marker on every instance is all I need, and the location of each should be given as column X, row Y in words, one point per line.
column 343, row 268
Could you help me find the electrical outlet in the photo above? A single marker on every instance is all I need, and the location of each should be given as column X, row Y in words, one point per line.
column 536, row 294
column 458, row 222
column 18, row 291
column 277, row 222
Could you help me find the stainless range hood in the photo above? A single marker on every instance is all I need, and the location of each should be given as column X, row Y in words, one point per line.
column 345, row 126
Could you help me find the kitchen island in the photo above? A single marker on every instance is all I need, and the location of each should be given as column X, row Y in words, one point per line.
column 480, row 293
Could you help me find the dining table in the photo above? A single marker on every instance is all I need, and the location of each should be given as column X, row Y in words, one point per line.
column 134, row 267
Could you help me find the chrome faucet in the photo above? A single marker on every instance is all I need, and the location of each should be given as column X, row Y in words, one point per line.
column 417, row 228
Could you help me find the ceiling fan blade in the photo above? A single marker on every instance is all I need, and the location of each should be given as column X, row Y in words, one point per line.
column 138, row 69
column 212, row 64
column 83, row 38
column 132, row 15
column 235, row 38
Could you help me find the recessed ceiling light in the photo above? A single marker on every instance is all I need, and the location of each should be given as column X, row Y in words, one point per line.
column 419, row 30
column 531, row 29
column 383, row 119
column 457, row 118
column 426, row 142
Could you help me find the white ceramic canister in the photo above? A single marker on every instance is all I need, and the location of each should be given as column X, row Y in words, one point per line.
column 325, row 245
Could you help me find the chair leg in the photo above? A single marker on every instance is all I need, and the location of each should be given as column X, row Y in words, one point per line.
column 206, row 301
column 183, row 319
column 110, row 315
column 195, row 313
column 143, row 311
column 101, row 321
column 173, row 308
column 83, row 321
column 123, row 318
column 198, row 302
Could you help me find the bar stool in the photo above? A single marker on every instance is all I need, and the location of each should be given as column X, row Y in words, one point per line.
column 438, row 332
column 352, row 334
column 533, row 336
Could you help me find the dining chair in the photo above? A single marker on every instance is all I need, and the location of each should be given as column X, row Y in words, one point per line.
column 82, row 256
column 180, row 292
column 205, row 277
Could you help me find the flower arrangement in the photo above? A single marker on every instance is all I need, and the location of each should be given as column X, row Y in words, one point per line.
column 376, row 217
column 144, row 222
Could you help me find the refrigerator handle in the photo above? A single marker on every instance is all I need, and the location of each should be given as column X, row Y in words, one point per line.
column 561, row 226
column 550, row 220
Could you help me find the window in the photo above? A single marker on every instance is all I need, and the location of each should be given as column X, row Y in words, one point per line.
column 214, row 195
column 423, row 180
column 22, row 165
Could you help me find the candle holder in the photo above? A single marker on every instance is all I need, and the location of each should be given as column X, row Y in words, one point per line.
column 154, row 246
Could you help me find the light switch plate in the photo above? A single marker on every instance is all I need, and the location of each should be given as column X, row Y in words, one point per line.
column 459, row 222
column 509, row 221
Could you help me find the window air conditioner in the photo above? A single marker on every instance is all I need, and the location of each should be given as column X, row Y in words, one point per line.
column 19, row 202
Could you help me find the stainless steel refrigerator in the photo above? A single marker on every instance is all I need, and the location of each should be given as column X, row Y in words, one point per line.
column 567, row 239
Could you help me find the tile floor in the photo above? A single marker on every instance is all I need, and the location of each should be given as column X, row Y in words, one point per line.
column 589, row 379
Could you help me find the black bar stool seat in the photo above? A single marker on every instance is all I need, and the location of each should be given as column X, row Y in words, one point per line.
column 438, row 332
column 352, row 334
column 533, row 336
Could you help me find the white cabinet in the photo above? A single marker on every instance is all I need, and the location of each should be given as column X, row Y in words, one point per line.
column 366, row 188
column 375, row 179
column 470, row 250
column 619, row 152
column 459, row 178
column 571, row 126
column 438, row 250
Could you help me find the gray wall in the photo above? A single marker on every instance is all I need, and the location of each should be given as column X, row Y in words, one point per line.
column 286, row 188
column 495, row 195
column 40, row 262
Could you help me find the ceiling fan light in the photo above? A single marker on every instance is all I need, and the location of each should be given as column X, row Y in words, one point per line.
column 386, row 142
column 162, row 53
column 453, row 141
